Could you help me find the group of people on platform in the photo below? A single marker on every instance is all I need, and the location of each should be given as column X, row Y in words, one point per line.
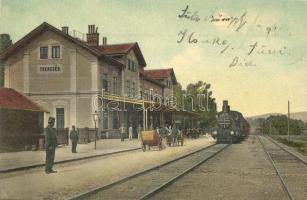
column 169, row 132
column 123, row 132
column 193, row 132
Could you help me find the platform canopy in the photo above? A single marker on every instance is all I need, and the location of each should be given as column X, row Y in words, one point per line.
column 158, row 107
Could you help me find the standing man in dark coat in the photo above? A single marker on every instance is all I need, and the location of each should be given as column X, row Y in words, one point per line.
column 122, row 130
column 74, row 137
column 174, row 134
column 50, row 144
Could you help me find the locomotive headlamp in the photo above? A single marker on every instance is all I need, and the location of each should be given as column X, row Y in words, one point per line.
column 231, row 132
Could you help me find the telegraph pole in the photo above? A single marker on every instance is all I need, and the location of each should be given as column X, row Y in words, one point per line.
column 270, row 127
column 288, row 120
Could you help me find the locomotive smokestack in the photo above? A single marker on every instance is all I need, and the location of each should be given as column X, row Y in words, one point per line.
column 225, row 106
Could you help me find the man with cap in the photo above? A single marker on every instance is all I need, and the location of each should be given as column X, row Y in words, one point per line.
column 74, row 137
column 122, row 130
column 50, row 144
column 174, row 134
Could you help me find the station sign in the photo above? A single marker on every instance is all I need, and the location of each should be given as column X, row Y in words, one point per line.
column 50, row 69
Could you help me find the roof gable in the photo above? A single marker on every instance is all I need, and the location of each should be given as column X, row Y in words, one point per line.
column 123, row 49
column 161, row 74
column 47, row 27
column 144, row 77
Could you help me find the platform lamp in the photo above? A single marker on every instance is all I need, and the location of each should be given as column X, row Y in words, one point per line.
column 95, row 118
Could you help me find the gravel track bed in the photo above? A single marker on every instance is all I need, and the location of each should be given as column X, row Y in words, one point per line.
column 243, row 171
column 82, row 176
column 138, row 186
column 293, row 171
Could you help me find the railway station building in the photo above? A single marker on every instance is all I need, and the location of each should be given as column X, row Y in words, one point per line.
column 74, row 78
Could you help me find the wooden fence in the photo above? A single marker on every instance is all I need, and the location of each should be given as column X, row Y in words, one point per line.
column 87, row 135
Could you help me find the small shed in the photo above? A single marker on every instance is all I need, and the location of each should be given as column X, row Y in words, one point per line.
column 21, row 121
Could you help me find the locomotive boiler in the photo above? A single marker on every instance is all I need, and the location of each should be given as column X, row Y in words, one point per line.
column 231, row 125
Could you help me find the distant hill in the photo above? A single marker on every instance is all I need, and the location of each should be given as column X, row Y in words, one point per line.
column 298, row 115
column 263, row 115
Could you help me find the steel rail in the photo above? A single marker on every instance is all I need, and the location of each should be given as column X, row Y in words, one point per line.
column 174, row 179
column 290, row 196
column 104, row 187
column 291, row 153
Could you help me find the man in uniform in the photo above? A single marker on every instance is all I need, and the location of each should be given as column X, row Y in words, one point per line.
column 122, row 130
column 174, row 134
column 74, row 137
column 50, row 144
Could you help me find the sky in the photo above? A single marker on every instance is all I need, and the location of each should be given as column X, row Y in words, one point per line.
column 253, row 53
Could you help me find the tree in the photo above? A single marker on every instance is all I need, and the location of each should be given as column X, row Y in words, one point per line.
column 178, row 93
column 279, row 125
column 197, row 97
column 203, row 103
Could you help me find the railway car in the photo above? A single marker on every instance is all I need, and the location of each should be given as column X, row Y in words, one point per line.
column 241, row 125
column 232, row 126
column 246, row 128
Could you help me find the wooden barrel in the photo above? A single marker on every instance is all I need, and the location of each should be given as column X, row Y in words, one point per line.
column 148, row 135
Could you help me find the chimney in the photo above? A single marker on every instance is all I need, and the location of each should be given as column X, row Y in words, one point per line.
column 104, row 41
column 92, row 37
column 65, row 29
column 5, row 42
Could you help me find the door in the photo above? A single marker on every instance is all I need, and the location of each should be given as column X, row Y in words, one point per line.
column 60, row 117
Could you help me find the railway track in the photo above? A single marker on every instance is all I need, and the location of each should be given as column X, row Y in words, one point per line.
column 290, row 169
column 145, row 184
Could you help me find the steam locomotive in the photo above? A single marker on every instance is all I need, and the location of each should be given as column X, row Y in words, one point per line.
column 231, row 125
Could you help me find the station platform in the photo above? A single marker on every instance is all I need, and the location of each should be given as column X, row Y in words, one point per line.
column 14, row 161
column 77, row 177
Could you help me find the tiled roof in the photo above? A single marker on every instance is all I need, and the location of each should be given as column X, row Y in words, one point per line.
column 121, row 49
column 115, row 48
column 11, row 99
column 143, row 75
column 161, row 74
column 158, row 73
